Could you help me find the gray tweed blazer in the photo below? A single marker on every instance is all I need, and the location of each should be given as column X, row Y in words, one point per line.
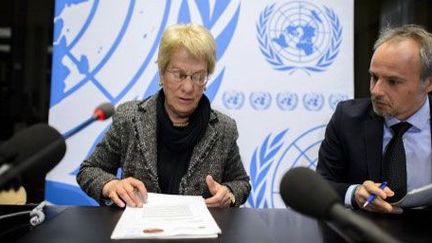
column 130, row 144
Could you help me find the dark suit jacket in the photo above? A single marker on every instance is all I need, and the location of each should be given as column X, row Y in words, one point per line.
column 352, row 148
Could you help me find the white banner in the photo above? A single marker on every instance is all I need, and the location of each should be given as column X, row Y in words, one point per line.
column 282, row 66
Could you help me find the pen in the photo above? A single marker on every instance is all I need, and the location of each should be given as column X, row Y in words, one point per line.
column 373, row 195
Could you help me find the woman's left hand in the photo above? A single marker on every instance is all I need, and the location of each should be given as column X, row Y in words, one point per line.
column 221, row 194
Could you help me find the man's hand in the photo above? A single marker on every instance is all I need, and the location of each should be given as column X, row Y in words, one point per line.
column 221, row 194
column 129, row 190
column 379, row 204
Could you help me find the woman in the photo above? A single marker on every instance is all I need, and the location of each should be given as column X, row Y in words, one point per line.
column 172, row 142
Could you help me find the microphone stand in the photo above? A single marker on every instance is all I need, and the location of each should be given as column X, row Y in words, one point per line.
column 355, row 227
column 11, row 222
column 71, row 132
column 37, row 216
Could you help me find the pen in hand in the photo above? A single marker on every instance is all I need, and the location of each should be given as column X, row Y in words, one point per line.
column 373, row 195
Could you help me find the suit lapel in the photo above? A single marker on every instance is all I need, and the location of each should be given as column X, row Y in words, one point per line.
column 430, row 111
column 373, row 128
column 145, row 129
column 203, row 147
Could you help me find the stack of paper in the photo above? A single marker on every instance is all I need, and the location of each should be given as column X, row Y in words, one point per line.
column 167, row 217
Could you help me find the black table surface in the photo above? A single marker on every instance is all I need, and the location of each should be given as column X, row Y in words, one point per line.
column 95, row 224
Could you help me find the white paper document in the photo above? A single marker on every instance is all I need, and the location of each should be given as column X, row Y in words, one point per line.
column 419, row 197
column 167, row 217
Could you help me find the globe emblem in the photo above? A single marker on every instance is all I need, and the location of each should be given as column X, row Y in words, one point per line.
column 300, row 32
column 233, row 99
column 299, row 35
column 313, row 101
column 274, row 156
column 334, row 99
column 287, row 101
column 81, row 60
column 302, row 151
column 260, row 100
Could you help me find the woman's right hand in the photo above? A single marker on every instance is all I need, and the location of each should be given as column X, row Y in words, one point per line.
column 129, row 190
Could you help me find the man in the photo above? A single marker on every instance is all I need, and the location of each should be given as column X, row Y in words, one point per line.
column 355, row 156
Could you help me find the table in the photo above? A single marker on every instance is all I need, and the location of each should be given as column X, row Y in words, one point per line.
column 95, row 224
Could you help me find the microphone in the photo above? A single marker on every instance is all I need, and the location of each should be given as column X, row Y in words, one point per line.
column 40, row 145
column 101, row 113
column 310, row 194
column 37, row 148
column 40, row 148
column 27, row 142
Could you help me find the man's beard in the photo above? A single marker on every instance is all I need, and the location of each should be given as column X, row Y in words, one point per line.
column 377, row 110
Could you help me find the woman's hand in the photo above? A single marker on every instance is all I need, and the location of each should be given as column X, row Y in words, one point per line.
column 221, row 194
column 129, row 190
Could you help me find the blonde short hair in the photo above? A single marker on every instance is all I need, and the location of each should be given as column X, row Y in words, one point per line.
column 196, row 39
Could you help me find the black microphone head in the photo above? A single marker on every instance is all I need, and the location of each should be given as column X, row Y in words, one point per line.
column 28, row 142
column 104, row 111
column 308, row 193
column 33, row 152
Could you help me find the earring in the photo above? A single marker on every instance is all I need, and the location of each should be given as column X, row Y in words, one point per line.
column 160, row 83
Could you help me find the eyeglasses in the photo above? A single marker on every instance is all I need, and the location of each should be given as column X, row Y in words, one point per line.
column 199, row 78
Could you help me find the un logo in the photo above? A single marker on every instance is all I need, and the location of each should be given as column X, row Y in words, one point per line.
column 287, row 101
column 233, row 99
column 313, row 101
column 273, row 157
column 299, row 36
column 260, row 100
column 334, row 99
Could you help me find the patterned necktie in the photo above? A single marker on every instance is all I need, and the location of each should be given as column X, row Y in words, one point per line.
column 394, row 164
